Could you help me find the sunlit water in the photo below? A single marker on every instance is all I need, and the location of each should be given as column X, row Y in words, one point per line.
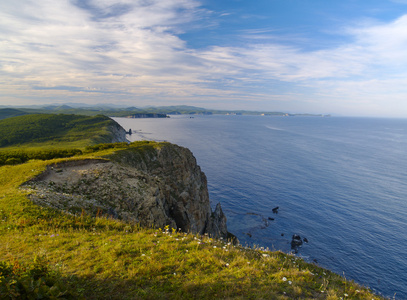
column 339, row 182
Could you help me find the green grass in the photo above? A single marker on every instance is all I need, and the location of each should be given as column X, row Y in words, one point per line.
column 54, row 131
column 47, row 252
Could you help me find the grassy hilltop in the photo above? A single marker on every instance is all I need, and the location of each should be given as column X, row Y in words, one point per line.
column 56, row 130
column 49, row 254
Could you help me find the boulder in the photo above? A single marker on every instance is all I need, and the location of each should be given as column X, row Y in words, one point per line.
column 296, row 241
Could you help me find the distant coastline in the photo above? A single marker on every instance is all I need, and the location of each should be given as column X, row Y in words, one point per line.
column 138, row 112
column 149, row 115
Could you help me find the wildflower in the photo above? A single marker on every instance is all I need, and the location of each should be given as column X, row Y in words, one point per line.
column 284, row 279
column 290, row 282
column 143, row 254
column 214, row 246
column 227, row 265
column 346, row 295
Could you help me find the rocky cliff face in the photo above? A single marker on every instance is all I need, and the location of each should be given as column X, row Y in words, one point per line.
column 118, row 133
column 152, row 185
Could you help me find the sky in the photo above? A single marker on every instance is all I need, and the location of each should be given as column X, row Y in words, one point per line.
column 345, row 57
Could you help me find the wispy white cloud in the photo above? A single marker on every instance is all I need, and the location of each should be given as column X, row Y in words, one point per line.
column 103, row 44
column 110, row 50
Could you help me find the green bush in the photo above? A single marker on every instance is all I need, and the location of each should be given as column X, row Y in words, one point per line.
column 22, row 156
column 33, row 281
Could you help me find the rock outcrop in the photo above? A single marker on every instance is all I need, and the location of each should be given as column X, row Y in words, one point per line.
column 118, row 134
column 151, row 185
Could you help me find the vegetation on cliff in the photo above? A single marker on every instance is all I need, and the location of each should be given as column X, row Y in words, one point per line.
column 47, row 253
column 55, row 130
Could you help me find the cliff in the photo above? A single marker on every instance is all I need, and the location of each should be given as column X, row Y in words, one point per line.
column 118, row 134
column 153, row 185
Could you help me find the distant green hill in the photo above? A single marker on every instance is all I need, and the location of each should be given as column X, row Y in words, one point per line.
column 56, row 129
column 10, row 112
column 114, row 111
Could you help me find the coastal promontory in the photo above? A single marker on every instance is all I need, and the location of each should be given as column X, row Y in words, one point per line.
column 152, row 184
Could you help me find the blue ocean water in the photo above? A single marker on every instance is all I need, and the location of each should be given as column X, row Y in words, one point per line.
column 339, row 182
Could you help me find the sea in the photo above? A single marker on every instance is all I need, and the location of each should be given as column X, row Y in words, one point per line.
column 338, row 182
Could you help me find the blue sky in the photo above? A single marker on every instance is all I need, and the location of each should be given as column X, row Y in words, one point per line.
column 344, row 57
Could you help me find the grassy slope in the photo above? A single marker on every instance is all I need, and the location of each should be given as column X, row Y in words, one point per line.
column 56, row 131
column 98, row 258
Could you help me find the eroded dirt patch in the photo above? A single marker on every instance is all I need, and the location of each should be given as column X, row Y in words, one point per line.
column 96, row 187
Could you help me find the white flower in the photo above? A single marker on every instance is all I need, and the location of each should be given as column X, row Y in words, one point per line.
column 284, row 279
column 290, row 282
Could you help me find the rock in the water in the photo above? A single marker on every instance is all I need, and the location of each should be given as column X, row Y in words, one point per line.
column 296, row 241
column 217, row 223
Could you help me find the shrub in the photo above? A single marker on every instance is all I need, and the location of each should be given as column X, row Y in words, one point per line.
column 33, row 281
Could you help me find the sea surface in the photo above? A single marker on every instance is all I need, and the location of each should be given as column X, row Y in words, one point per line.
column 339, row 182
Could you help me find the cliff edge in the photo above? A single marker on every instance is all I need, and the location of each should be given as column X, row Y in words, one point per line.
column 155, row 185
